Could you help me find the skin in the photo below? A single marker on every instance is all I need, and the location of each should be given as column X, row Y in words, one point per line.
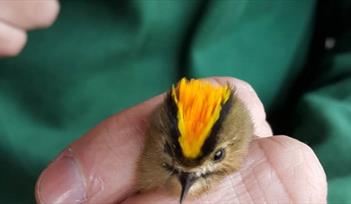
column 17, row 17
column 100, row 167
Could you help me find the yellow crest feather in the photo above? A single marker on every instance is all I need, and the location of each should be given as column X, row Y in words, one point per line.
column 199, row 105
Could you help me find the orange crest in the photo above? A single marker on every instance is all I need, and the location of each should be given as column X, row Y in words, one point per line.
column 199, row 106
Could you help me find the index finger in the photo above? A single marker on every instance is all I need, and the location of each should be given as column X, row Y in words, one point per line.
column 100, row 167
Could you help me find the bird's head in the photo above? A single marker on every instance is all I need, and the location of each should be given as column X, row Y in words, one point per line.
column 202, row 135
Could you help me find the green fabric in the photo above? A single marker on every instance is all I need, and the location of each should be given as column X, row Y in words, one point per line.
column 103, row 56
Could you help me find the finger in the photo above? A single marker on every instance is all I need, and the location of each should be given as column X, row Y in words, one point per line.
column 12, row 40
column 278, row 169
column 29, row 14
column 105, row 159
column 248, row 95
column 101, row 164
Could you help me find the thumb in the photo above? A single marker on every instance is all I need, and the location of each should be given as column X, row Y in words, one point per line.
column 100, row 166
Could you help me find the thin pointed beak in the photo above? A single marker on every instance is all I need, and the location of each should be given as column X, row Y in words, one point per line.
column 186, row 180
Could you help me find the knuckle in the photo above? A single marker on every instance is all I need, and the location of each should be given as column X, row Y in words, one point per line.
column 245, row 85
column 233, row 81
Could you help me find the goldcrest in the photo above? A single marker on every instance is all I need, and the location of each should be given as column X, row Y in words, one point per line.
column 198, row 135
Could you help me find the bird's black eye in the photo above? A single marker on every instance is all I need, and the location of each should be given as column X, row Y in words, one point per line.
column 219, row 155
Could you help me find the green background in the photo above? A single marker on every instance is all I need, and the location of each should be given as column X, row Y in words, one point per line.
column 103, row 56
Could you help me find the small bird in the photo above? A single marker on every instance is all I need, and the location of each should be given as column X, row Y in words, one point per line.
column 198, row 135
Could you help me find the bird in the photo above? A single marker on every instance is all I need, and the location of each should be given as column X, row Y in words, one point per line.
column 197, row 136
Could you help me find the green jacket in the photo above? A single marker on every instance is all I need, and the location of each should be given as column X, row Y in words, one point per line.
column 103, row 56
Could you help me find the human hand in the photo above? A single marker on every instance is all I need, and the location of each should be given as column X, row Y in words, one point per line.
column 16, row 17
column 100, row 167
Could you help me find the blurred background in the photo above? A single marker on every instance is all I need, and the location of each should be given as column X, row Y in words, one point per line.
column 100, row 57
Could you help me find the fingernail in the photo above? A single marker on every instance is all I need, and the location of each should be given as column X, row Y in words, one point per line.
column 61, row 182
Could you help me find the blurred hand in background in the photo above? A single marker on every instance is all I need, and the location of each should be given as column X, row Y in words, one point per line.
column 17, row 17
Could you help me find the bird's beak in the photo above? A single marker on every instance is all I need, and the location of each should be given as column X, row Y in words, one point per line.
column 186, row 180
